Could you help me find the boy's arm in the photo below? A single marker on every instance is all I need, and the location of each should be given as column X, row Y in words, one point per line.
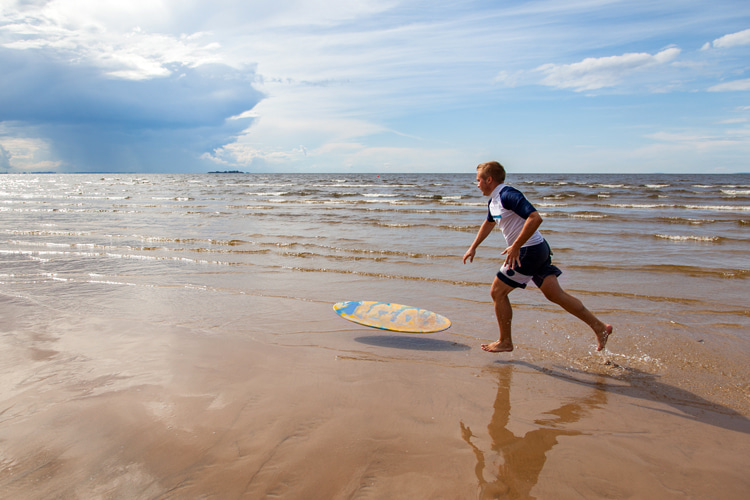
column 513, row 252
column 484, row 231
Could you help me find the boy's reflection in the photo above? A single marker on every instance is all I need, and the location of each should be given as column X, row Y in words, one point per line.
column 523, row 457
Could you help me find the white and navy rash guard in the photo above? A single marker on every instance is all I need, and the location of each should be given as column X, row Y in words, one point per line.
column 510, row 209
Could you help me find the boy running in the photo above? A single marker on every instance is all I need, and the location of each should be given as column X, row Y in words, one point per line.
column 527, row 257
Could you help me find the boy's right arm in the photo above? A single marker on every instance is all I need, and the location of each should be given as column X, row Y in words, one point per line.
column 484, row 231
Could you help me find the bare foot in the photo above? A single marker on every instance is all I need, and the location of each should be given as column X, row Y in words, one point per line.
column 603, row 337
column 498, row 346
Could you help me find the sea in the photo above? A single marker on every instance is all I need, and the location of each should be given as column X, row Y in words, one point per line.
column 664, row 258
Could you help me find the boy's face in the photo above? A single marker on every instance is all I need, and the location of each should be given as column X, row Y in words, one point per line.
column 484, row 184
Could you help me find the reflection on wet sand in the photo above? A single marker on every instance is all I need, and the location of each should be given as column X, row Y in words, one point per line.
column 637, row 384
column 522, row 458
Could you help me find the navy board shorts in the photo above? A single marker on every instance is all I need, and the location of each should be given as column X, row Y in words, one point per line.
column 536, row 264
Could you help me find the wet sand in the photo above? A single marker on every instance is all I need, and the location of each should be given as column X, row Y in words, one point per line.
column 166, row 396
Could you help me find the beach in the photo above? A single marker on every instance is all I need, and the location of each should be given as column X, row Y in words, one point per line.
column 172, row 336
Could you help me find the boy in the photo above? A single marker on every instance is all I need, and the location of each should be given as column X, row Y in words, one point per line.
column 527, row 257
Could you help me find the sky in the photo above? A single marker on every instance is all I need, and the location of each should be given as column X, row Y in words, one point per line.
column 576, row 86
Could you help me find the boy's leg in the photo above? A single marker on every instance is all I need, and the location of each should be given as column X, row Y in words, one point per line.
column 554, row 293
column 504, row 314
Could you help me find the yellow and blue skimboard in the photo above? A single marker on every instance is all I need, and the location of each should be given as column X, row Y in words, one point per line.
column 387, row 316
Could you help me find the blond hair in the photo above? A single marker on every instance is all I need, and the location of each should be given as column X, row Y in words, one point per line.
column 492, row 169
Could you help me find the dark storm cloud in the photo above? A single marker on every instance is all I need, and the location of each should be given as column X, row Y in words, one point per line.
column 95, row 123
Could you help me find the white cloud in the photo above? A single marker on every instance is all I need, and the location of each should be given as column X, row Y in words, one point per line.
column 683, row 137
column 395, row 159
column 508, row 79
column 596, row 73
column 87, row 31
column 716, row 141
column 731, row 40
column 291, row 125
column 24, row 154
column 737, row 85
column 301, row 129
column 316, row 12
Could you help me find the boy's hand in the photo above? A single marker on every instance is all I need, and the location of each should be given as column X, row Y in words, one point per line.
column 470, row 253
column 512, row 257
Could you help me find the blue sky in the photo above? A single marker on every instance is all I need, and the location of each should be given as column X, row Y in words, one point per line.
column 374, row 86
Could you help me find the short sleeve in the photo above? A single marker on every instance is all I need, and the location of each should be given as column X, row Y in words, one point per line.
column 514, row 200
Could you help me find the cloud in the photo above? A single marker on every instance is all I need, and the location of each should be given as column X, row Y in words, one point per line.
column 92, row 121
column 24, row 153
column 92, row 90
column 508, row 79
column 80, row 31
column 596, row 73
column 103, row 92
column 731, row 40
column 280, row 134
column 737, row 85
column 718, row 140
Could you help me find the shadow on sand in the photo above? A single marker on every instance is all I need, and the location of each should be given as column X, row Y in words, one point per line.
column 637, row 384
column 411, row 342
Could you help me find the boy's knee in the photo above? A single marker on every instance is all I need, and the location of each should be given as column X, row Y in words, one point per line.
column 499, row 290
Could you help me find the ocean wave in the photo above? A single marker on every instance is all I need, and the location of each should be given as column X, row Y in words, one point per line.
column 686, row 220
column 648, row 206
column 651, row 206
column 397, row 225
column 308, row 255
column 163, row 239
column 550, row 205
column 269, row 193
column 702, row 239
column 588, row 215
column 463, row 229
column 41, row 232
column 719, row 208
column 384, row 275
column 695, row 271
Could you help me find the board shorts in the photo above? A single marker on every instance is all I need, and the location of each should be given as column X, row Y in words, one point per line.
column 536, row 264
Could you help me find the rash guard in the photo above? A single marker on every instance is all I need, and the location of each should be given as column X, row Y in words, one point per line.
column 509, row 208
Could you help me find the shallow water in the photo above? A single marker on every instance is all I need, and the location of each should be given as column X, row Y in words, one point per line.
column 641, row 244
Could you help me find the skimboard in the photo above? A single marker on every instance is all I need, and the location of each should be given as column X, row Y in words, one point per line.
column 387, row 316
